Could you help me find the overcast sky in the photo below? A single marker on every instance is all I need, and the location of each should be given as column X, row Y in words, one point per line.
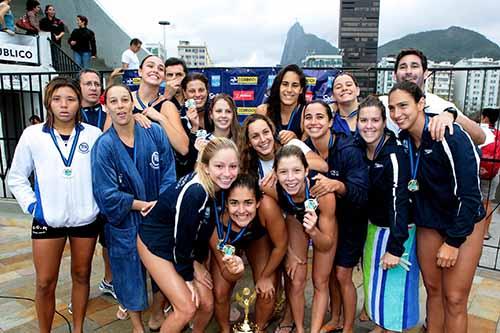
column 253, row 32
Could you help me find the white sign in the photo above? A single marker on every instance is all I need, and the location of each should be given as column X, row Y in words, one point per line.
column 19, row 49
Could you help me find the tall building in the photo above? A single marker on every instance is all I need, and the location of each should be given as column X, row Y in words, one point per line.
column 358, row 39
column 194, row 55
column 477, row 89
column 322, row 61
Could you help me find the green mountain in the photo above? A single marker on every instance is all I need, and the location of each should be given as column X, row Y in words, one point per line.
column 450, row 44
column 299, row 44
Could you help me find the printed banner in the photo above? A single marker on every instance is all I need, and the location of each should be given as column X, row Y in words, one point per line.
column 249, row 87
column 19, row 49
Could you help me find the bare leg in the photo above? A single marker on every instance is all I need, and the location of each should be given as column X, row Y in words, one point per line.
column 47, row 255
column 457, row 281
column 222, row 298
column 136, row 319
column 173, row 287
column 298, row 243
column 258, row 255
column 82, row 252
column 205, row 310
column 335, row 304
column 156, row 318
column 108, row 276
column 489, row 210
column 349, row 296
column 428, row 243
column 322, row 267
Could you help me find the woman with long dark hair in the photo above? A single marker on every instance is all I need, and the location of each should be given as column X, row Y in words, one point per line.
column 286, row 102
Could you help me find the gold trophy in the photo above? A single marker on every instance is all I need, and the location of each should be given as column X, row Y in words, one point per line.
column 245, row 300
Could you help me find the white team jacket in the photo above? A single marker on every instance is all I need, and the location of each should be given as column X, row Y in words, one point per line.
column 56, row 200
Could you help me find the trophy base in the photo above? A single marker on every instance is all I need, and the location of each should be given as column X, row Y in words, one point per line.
column 245, row 327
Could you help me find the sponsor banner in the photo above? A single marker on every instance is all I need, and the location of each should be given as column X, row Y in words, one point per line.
column 249, row 87
column 20, row 49
column 243, row 95
column 243, row 80
column 246, row 111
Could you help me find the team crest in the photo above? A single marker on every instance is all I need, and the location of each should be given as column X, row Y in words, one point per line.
column 83, row 148
column 155, row 160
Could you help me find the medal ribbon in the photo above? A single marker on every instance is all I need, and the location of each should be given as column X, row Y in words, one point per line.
column 379, row 147
column 86, row 118
column 141, row 103
column 414, row 164
column 218, row 224
column 227, row 240
column 67, row 161
column 290, row 121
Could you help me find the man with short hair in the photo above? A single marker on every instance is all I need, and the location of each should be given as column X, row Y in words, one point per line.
column 411, row 65
column 129, row 56
column 175, row 71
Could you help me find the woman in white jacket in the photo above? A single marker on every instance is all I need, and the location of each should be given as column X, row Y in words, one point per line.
column 62, row 203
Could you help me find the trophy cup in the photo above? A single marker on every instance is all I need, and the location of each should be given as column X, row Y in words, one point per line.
column 245, row 300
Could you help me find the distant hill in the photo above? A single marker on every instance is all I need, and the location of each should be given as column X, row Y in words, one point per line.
column 450, row 44
column 299, row 44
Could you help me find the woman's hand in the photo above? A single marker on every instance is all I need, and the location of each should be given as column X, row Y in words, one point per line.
column 292, row 262
column 265, row 287
column 147, row 207
column 447, row 256
column 194, row 119
column 194, row 293
column 152, row 114
column 389, row 261
column 309, row 222
column 142, row 120
column 285, row 136
column 202, row 275
column 233, row 264
column 200, row 143
column 326, row 185
column 269, row 180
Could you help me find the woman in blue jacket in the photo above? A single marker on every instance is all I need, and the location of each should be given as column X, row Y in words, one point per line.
column 391, row 273
column 131, row 166
column 444, row 188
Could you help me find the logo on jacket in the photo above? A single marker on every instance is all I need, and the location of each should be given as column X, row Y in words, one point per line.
column 334, row 173
column 378, row 165
column 83, row 148
column 155, row 160
column 427, row 151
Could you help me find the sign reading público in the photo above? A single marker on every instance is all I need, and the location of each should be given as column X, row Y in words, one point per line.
column 19, row 49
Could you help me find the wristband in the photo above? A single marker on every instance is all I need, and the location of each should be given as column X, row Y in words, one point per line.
column 453, row 111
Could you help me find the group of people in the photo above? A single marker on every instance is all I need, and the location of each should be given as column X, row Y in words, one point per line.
column 177, row 189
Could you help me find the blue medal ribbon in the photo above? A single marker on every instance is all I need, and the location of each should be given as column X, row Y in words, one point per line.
column 67, row 161
column 141, row 103
column 414, row 164
column 226, row 239
column 96, row 108
column 379, row 146
column 218, row 224
column 261, row 171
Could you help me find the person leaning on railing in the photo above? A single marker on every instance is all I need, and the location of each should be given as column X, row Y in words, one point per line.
column 6, row 17
column 52, row 24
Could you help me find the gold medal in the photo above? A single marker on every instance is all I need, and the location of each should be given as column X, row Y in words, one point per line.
column 67, row 172
column 228, row 250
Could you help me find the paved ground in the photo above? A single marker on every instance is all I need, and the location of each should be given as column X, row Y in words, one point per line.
column 17, row 276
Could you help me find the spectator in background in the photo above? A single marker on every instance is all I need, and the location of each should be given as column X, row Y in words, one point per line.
column 129, row 56
column 82, row 41
column 488, row 170
column 6, row 17
column 175, row 71
column 35, row 119
column 32, row 14
column 52, row 24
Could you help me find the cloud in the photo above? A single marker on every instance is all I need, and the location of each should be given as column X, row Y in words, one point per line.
column 254, row 32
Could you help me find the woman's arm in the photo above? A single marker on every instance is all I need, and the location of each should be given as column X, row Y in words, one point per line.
column 173, row 127
column 324, row 232
column 217, row 256
column 271, row 218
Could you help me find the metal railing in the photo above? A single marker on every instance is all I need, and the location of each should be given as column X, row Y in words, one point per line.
column 61, row 61
column 21, row 96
